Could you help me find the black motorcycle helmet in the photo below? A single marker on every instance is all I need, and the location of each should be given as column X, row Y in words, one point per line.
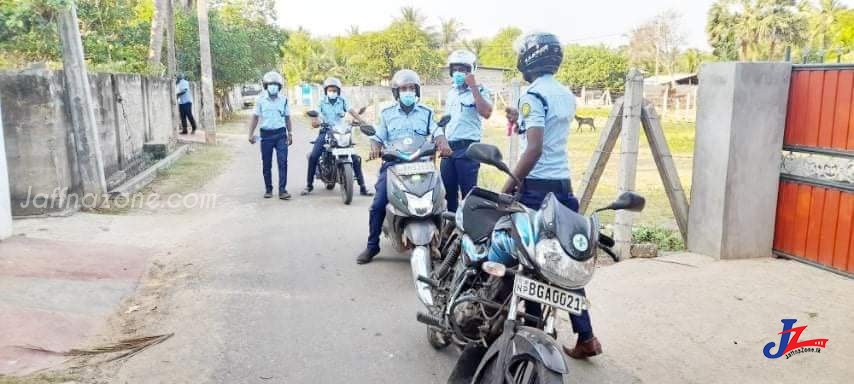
column 538, row 54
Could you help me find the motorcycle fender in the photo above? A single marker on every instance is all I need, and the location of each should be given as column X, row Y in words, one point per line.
column 528, row 343
column 420, row 232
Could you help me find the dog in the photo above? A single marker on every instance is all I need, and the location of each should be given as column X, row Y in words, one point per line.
column 585, row 121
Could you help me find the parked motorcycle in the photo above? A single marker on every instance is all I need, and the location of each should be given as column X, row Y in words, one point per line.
column 500, row 256
column 336, row 161
column 416, row 201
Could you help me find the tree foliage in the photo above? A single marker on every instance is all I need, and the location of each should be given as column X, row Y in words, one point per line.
column 593, row 67
column 756, row 29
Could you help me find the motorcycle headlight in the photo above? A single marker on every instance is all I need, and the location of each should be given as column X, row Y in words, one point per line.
column 560, row 269
column 420, row 206
column 343, row 139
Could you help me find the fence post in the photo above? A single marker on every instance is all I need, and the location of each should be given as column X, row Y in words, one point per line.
column 632, row 107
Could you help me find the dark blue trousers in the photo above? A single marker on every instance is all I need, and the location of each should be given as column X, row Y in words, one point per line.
column 274, row 139
column 533, row 193
column 459, row 175
column 377, row 212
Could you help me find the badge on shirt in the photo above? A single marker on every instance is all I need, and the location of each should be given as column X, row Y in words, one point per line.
column 526, row 109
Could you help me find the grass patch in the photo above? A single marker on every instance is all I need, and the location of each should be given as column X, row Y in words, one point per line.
column 42, row 378
column 187, row 175
column 657, row 214
column 665, row 239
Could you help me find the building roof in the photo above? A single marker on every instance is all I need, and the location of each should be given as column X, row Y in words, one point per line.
column 680, row 78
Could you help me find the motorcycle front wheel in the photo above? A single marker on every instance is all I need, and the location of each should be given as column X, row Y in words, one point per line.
column 347, row 183
column 521, row 372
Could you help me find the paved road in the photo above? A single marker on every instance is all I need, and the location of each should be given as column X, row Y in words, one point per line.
column 277, row 297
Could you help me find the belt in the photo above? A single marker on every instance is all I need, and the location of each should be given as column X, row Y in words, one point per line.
column 457, row 145
column 546, row 185
column 268, row 133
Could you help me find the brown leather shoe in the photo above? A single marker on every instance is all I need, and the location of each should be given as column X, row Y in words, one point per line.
column 584, row 349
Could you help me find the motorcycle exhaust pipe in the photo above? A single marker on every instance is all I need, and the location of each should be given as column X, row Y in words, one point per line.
column 421, row 267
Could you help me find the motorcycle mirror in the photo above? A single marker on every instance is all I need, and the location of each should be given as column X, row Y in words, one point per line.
column 362, row 110
column 487, row 154
column 312, row 114
column 494, row 269
column 444, row 121
column 628, row 201
column 368, row 130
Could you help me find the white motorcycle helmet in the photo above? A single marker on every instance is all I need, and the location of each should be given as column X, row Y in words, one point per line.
column 462, row 57
column 405, row 77
column 332, row 82
column 273, row 77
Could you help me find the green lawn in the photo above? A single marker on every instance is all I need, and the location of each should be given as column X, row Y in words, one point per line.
column 680, row 138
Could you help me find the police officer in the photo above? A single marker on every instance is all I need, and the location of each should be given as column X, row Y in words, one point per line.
column 467, row 103
column 185, row 103
column 406, row 118
column 332, row 108
column 273, row 117
column 546, row 110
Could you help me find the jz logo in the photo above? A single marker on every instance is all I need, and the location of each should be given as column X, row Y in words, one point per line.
column 789, row 345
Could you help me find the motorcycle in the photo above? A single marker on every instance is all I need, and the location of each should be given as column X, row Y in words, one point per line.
column 500, row 256
column 416, row 201
column 336, row 160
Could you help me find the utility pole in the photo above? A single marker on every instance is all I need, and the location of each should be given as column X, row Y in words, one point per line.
column 208, row 118
column 82, row 109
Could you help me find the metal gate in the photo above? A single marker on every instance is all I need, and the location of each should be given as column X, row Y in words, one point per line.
column 815, row 206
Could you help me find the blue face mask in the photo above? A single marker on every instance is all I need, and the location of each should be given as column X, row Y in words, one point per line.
column 408, row 98
column 459, row 78
column 273, row 89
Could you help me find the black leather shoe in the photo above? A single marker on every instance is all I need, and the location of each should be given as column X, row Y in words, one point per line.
column 365, row 192
column 367, row 255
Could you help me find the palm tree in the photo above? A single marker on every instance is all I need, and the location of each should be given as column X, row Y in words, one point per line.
column 824, row 18
column 412, row 15
column 158, row 25
column 451, row 32
column 475, row 45
column 759, row 28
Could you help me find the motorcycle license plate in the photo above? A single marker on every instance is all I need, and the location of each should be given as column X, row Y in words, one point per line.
column 414, row 168
column 533, row 290
column 343, row 151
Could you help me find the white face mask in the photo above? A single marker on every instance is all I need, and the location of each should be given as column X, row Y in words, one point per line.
column 332, row 95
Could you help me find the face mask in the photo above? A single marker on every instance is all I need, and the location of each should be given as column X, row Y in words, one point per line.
column 459, row 78
column 332, row 95
column 407, row 98
column 273, row 89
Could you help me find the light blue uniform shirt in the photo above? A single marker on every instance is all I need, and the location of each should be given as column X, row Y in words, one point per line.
column 554, row 161
column 271, row 112
column 465, row 122
column 187, row 97
column 396, row 124
column 330, row 112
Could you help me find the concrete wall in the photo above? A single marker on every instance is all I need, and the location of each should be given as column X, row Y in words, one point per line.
column 737, row 155
column 130, row 111
column 5, row 202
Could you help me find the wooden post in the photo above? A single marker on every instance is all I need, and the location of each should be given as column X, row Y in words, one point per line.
column 208, row 120
column 607, row 140
column 5, row 194
column 632, row 107
column 666, row 167
column 86, row 140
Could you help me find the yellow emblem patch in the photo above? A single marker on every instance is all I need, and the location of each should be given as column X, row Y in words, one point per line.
column 526, row 109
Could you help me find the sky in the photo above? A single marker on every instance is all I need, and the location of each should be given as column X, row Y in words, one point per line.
column 574, row 21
